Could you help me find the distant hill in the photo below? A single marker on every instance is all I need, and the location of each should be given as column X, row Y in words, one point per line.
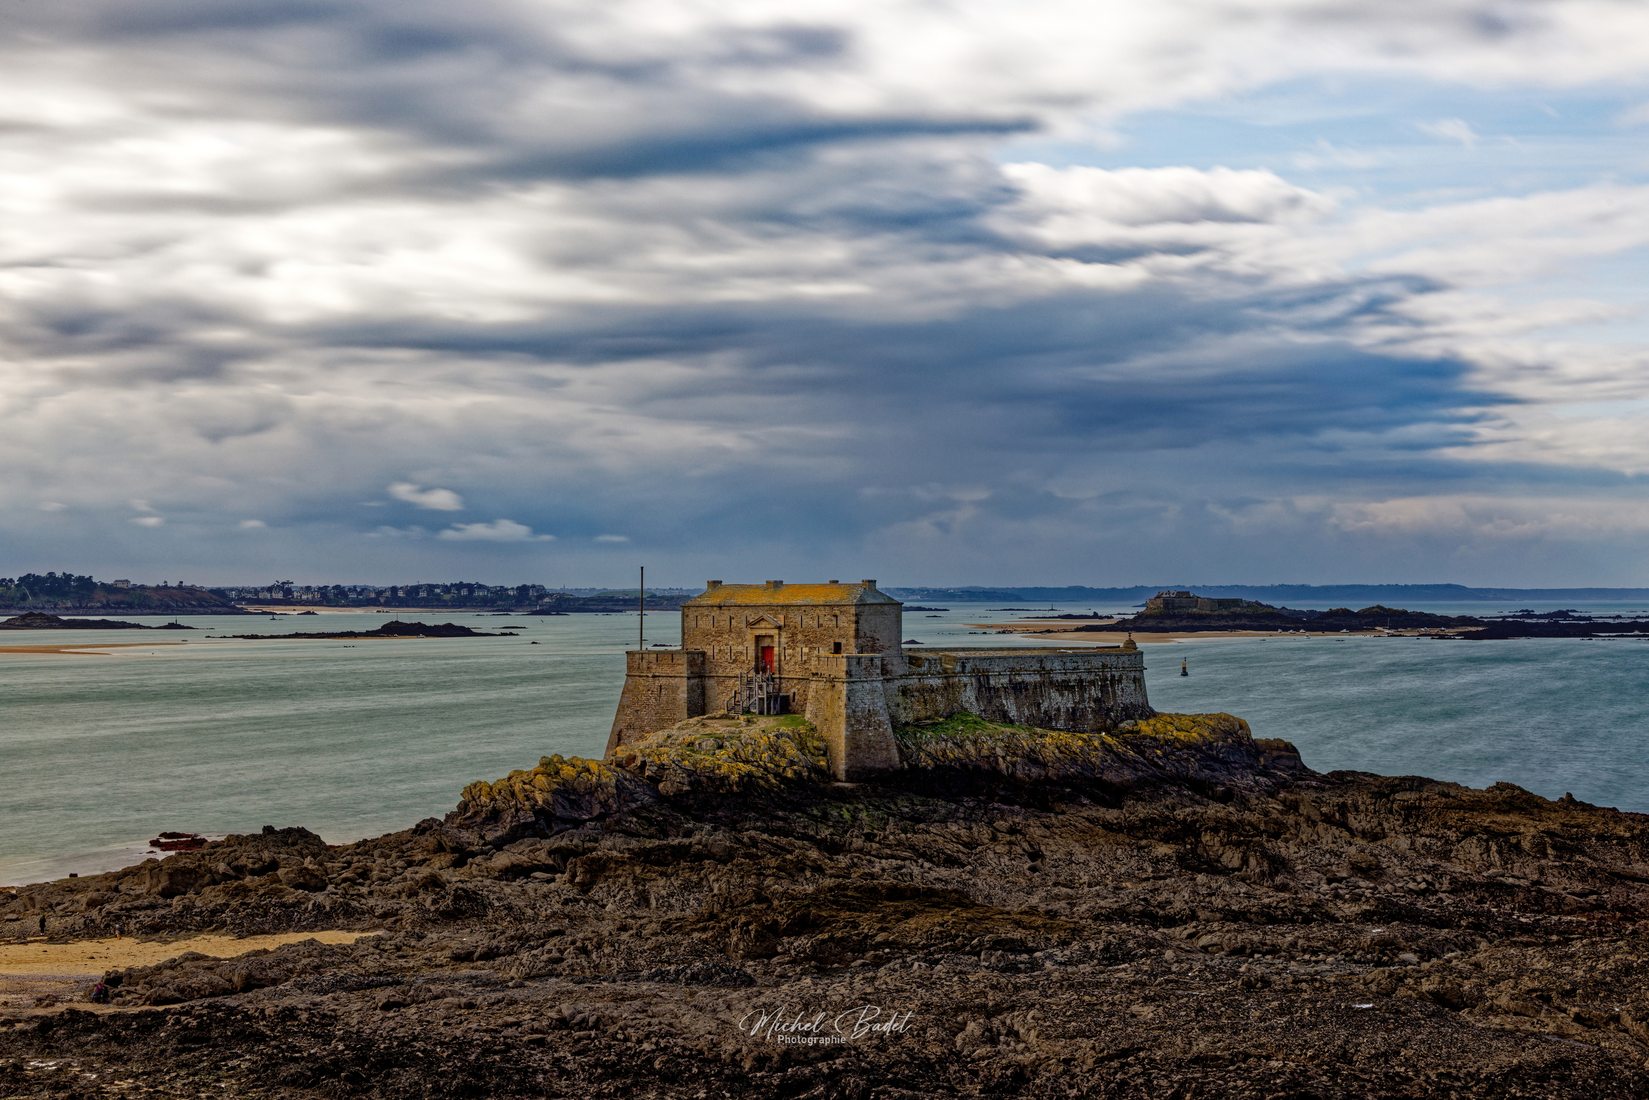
column 69, row 593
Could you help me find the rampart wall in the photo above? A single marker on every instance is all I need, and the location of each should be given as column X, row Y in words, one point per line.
column 1084, row 690
column 662, row 687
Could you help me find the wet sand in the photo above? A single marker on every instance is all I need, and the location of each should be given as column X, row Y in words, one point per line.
column 82, row 649
column 38, row 958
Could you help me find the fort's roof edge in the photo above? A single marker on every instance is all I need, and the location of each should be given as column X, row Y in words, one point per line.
column 771, row 593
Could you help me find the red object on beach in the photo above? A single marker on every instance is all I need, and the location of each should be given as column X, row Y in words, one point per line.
column 178, row 842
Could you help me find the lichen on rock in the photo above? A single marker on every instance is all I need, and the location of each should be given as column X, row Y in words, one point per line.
column 729, row 754
column 697, row 758
column 568, row 789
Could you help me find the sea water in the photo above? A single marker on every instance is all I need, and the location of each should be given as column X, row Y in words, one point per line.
column 194, row 731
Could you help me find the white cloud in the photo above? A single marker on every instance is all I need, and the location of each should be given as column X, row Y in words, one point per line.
column 1325, row 154
column 53, row 506
column 385, row 531
column 500, row 530
column 148, row 521
column 612, row 538
column 1151, row 207
column 1633, row 116
column 252, row 525
column 1450, row 129
column 436, row 500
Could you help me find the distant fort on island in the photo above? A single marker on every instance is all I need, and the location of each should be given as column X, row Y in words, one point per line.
column 833, row 652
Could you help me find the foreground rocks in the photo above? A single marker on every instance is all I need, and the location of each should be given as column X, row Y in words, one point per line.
column 1184, row 912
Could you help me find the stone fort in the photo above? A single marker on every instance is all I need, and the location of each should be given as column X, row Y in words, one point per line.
column 833, row 652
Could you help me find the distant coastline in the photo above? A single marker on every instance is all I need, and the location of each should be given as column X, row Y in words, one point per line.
column 67, row 593
column 1360, row 594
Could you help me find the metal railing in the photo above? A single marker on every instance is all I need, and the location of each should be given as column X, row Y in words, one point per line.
column 756, row 693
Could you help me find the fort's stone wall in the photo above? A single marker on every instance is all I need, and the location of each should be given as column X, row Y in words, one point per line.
column 662, row 687
column 728, row 638
column 730, row 624
column 848, row 705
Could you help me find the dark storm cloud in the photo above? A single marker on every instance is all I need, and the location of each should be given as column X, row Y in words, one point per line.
column 737, row 134
column 1047, row 376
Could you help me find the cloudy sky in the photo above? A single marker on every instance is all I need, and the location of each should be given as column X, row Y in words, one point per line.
column 947, row 291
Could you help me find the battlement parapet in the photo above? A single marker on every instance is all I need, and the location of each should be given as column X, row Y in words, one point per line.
column 664, row 662
column 984, row 661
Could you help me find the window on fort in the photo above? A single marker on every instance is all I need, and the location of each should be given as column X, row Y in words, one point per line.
column 835, row 647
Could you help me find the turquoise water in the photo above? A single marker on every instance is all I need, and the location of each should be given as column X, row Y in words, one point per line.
column 1555, row 716
column 100, row 752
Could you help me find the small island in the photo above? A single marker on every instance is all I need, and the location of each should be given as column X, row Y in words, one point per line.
column 36, row 620
column 1180, row 612
column 395, row 628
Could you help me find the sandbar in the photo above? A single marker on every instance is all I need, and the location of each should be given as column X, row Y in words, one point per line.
column 81, row 649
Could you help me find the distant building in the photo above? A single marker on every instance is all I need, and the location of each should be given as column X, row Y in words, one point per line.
column 1175, row 601
column 833, row 652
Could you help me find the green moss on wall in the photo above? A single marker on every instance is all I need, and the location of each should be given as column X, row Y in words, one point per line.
column 966, row 740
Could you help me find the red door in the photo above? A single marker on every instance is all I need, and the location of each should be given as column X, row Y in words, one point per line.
column 764, row 658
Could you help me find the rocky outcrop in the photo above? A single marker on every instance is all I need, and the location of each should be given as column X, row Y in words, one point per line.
column 1200, row 751
column 697, row 762
column 703, row 762
column 560, row 792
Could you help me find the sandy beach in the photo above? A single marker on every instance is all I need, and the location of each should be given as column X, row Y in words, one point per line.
column 39, row 974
